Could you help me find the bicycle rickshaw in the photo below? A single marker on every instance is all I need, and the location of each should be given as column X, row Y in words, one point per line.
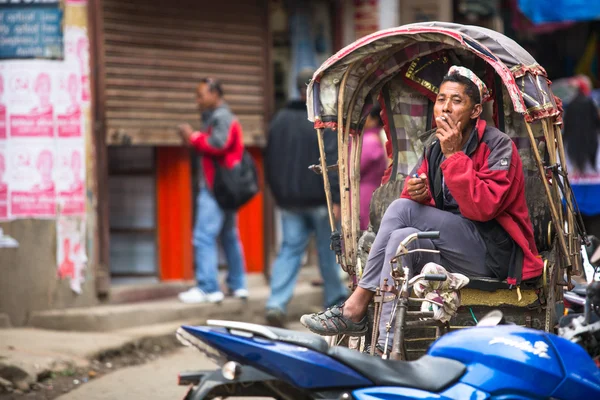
column 400, row 68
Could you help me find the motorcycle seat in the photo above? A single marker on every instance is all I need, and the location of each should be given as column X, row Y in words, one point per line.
column 428, row 373
column 303, row 339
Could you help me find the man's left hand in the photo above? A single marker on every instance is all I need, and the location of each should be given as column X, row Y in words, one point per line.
column 449, row 135
column 185, row 131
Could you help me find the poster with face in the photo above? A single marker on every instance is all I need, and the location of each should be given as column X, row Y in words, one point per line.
column 77, row 55
column 71, row 255
column 68, row 105
column 3, row 184
column 70, row 172
column 31, row 179
column 31, row 111
column 2, row 109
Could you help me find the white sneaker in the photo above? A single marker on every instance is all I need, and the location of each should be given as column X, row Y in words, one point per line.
column 196, row 295
column 241, row 294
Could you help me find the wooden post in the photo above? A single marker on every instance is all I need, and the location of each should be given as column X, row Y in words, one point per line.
column 555, row 216
column 573, row 236
column 269, row 101
column 97, row 71
column 351, row 246
column 326, row 183
column 347, row 264
column 551, row 147
column 357, row 142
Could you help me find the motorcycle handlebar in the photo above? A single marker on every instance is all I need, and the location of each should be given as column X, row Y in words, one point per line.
column 435, row 277
column 429, row 235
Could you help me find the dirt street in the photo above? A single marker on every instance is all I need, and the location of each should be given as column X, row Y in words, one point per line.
column 155, row 380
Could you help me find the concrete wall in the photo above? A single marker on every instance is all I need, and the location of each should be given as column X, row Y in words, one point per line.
column 28, row 274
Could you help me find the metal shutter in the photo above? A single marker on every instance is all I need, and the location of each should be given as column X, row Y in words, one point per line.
column 155, row 52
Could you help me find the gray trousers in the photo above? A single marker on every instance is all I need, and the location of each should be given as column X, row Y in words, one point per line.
column 461, row 247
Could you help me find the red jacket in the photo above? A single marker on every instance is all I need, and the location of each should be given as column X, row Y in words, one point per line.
column 489, row 184
column 222, row 141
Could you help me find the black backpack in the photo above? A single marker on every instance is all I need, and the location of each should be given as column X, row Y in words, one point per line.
column 233, row 187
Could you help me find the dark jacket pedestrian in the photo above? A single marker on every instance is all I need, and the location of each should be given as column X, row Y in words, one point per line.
column 293, row 146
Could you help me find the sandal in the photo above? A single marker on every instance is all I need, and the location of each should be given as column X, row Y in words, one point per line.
column 332, row 322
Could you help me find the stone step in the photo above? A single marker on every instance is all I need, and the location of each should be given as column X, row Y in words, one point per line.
column 133, row 293
column 307, row 298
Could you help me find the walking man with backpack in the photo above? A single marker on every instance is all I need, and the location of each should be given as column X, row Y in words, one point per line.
column 220, row 140
column 292, row 147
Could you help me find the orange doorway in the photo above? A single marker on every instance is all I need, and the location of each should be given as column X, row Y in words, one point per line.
column 174, row 216
column 252, row 222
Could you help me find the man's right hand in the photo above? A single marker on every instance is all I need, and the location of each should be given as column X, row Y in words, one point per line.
column 417, row 188
column 185, row 131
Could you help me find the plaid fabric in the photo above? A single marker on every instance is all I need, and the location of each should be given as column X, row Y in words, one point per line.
column 410, row 117
column 514, row 126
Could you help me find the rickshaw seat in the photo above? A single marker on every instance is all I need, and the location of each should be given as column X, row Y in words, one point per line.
column 495, row 292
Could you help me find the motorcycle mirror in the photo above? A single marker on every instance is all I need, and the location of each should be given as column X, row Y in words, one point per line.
column 493, row 318
column 593, row 293
column 592, row 244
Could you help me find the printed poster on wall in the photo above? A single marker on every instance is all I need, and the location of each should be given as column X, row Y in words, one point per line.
column 77, row 57
column 42, row 148
column 2, row 110
column 31, row 112
column 31, row 178
column 70, row 255
column 69, row 177
column 3, row 184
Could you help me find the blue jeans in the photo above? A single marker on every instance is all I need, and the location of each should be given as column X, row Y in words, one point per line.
column 212, row 223
column 297, row 226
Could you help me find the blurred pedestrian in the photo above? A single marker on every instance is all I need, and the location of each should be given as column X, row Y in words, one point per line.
column 373, row 163
column 581, row 130
column 221, row 136
column 299, row 193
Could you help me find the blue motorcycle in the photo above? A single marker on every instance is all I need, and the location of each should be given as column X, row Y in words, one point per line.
column 490, row 361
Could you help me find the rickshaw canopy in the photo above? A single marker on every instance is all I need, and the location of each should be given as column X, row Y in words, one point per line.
column 380, row 56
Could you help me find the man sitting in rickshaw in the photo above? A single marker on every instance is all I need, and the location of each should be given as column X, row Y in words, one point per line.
column 470, row 186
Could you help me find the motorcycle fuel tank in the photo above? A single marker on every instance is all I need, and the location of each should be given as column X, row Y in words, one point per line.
column 521, row 361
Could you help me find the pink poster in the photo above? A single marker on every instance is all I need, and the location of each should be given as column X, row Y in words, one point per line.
column 69, row 179
column 71, row 255
column 2, row 110
column 32, row 191
column 68, row 117
column 78, row 55
column 84, row 65
column 38, row 121
column 3, row 187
